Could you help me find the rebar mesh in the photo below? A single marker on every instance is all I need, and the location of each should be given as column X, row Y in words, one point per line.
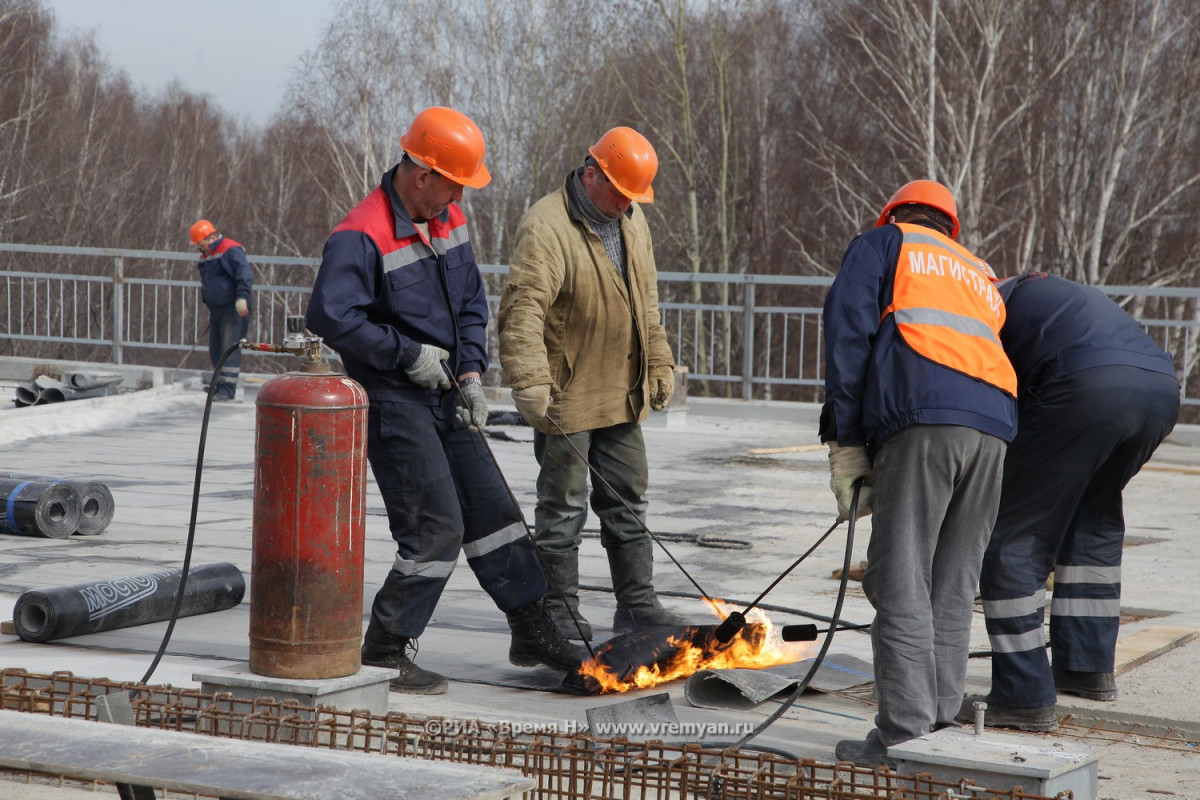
column 565, row 767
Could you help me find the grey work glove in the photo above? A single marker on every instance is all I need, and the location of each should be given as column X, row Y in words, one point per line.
column 532, row 402
column 847, row 465
column 475, row 414
column 427, row 369
column 662, row 384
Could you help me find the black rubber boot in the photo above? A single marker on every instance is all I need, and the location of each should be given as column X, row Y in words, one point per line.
column 997, row 715
column 562, row 573
column 535, row 641
column 1089, row 685
column 638, row 608
column 411, row 678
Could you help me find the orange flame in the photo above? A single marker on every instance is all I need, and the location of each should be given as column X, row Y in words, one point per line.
column 758, row 645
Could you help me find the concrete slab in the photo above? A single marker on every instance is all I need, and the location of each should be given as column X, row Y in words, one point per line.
column 733, row 515
column 235, row 769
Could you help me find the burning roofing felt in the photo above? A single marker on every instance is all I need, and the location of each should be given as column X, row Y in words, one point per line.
column 648, row 658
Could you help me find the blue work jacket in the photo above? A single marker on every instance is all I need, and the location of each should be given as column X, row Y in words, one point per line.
column 225, row 274
column 1056, row 326
column 383, row 290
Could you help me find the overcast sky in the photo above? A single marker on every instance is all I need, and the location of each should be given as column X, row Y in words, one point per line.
column 241, row 52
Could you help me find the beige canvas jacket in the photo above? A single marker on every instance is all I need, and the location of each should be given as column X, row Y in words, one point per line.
column 568, row 319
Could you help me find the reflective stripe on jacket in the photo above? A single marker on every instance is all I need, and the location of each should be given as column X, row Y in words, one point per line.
column 947, row 309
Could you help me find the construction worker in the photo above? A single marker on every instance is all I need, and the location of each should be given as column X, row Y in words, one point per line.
column 226, row 284
column 919, row 405
column 400, row 297
column 1096, row 397
column 585, row 352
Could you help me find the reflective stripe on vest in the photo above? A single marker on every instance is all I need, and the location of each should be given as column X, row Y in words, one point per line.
column 947, row 309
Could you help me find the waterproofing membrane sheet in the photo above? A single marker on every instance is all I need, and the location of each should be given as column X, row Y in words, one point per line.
column 740, row 689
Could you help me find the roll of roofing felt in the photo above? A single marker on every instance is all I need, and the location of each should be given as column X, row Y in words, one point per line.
column 40, row 616
column 96, row 504
column 39, row 508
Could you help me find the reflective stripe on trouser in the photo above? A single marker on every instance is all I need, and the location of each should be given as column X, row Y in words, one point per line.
column 443, row 494
column 1079, row 442
column 225, row 329
column 618, row 453
column 936, row 489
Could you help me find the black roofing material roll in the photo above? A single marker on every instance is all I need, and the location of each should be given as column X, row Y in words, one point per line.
column 40, row 616
column 39, row 508
column 96, row 507
column 95, row 500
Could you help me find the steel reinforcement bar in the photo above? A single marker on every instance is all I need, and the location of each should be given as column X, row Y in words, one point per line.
column 566, row 767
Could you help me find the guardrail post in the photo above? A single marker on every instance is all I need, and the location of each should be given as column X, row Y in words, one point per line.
column 748, row 342
column 118, row 307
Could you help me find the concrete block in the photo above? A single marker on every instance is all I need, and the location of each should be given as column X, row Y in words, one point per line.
column 1000, row 761
column 367, row 689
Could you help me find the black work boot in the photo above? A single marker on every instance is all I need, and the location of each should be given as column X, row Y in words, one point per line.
column 638, row 608
column 1089, row 685
column 562, row 573
column 535, row 640
column 998, row 715
column 412, row 679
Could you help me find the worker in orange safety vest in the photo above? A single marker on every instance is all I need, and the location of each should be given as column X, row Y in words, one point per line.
column 919, row 408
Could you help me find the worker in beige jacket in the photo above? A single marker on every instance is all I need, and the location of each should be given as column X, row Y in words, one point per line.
column 583, row 347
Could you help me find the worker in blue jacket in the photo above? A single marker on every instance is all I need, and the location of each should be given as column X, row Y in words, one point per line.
column 919, row 405
column 400, row 297
column 226, row 284
column 1096, row 397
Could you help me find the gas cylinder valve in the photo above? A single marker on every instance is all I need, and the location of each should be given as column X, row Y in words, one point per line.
column 297, row 341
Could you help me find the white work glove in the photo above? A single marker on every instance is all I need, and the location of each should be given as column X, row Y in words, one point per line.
column 475, row 414
column 662, row 383
column 532, row 402
column 847, row 465
column 242, row 307
column 427, row 369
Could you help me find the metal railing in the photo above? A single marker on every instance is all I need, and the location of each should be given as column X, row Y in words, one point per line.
column 748, row 336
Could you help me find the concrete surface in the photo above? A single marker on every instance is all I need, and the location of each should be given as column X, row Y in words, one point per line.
column 750, row 472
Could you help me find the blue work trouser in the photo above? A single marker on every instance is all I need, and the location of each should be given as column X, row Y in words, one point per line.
column 225, row 329
column 618, row 453
column 444, row 493
column 934, row 499
column 1079, row 442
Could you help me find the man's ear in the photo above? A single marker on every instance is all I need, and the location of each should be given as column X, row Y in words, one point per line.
column 423, row 177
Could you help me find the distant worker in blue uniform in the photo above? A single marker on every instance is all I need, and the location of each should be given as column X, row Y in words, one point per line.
column 226, row 284
column 919, row 406
column 400, row 297
column 1096, row 398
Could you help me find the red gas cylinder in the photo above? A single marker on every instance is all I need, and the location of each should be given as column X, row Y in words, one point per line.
column 310, row 479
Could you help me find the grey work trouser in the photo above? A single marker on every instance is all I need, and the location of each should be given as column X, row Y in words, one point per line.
column 936, row 489
column 618, row 453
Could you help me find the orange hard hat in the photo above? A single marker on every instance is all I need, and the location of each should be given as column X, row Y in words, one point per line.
column 629, row 161
column 448, row 142
column 201, row 230
column 926, row 193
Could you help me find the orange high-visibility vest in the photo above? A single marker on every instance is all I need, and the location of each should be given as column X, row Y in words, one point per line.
column 947, row 309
